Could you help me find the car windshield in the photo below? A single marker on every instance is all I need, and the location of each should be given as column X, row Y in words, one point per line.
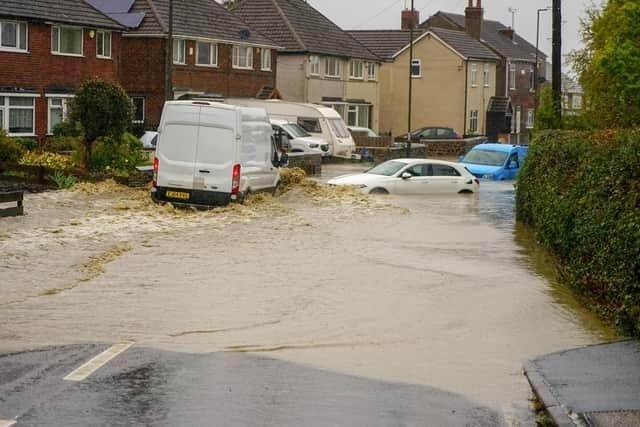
column 295, row 130
column 387, row 168
column 486, row 157
column 338, row 128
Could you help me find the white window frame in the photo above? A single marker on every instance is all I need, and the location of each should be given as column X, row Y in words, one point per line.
column 64, row 107
column 532, row 82
column 213, row 54
column 473, row 121
column 181, row 46
column 5, row 111
column 314, row 65
column 372, row 71
column 576, row 105
column 474, row 74
column 105, row 34
column 144, row 104
column 265, row 59
column 356, row 69
column 485, row 75
column 235, row 54
column 512, row 76
column 68, row 27
column 530, row 118
column 331, row 60
column 19, row 25
column 416, row 62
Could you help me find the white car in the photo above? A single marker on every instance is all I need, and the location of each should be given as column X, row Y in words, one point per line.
column 299, row 140
column 413, row 176
column 149, row 140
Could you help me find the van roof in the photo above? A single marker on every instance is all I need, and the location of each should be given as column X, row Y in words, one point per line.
column 204, row 103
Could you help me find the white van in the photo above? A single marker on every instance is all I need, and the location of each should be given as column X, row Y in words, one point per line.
column 318, row 120
column 210, row 153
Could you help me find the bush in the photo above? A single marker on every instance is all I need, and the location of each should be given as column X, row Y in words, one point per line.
column 59, row 144
column 119, row 156
column 55, row 162
column 68, row 128
column 10, row 151
column 63, row 181
column 580, row 192
column 27, row 143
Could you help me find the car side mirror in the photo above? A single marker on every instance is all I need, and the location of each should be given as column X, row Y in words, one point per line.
column 406, row 175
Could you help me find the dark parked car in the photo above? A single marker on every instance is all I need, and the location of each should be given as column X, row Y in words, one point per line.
column 434, row 132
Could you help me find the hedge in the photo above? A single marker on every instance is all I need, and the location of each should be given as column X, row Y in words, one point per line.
column 580, row 193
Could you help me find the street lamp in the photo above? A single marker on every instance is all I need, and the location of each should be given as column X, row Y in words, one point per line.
column 536, row 68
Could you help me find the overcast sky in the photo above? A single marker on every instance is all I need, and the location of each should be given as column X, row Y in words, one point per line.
column 385, row 14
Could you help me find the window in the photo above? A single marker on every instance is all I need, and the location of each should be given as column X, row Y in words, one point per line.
column 179, row 51
column 372, row 71
column 473, row 121
column 340, row 108
column 443, row 170
column 67, row 41
column 512, row 76
column 314, row 65
column 138, row 109
column 577, row 102
column 17, row 115
column 485, row 75
column 206, row 54
column 338, row 128
column 530, row 119
column 420, row 170
column 416, row 68
column 13, row 36
column 516, row 121
column 57, row 113
column 310, row 124
column 103, row 39
column 243, row 57
column 332, row 67
column 357, row 70
column 532, row 78
column 358, row 115
column 565, row 102
column 474, row 74
column 265, row 60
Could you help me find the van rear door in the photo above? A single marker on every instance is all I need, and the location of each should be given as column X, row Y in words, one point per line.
column 176, row 150
column 216, row 150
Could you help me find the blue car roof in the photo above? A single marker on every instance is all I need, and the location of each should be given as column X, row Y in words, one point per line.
column 506, row 148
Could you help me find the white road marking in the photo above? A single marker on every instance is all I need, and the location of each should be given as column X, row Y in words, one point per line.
column 7, row 423
column 97, row 362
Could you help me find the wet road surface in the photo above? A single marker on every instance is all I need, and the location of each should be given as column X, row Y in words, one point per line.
column 437, row 301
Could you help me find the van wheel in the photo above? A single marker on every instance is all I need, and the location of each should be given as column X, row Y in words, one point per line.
column 378, row 190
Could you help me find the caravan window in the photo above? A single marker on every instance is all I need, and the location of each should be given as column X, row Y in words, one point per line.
column 338, row 128
column 310, row 124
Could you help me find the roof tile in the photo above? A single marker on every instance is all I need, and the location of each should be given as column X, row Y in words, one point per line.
column 75, row 12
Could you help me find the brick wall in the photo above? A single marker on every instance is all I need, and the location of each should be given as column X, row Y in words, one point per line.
column 40, row 69
column 143, row 74
column 522, row 97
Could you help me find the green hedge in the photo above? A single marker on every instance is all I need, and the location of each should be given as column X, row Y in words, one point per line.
column 580, row 192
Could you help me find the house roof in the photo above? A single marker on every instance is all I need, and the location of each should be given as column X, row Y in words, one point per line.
column 298, row 27
column 518, row 48
column 196, row 18
column 388, row 43
column 75, row 12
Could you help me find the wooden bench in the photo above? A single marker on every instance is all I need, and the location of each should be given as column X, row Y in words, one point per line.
column 13, row 196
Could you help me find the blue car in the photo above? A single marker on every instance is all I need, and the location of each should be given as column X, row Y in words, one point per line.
column 497, row 162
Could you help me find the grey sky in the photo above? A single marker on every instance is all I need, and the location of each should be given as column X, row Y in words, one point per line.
column 385, row 14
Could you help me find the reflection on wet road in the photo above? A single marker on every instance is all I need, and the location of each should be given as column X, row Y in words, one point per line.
column 427, row 297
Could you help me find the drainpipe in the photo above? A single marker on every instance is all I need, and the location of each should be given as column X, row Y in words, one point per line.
column 466, row 97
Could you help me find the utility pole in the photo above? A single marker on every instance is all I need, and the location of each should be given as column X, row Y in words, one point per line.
column 168, row 75
column 557, row 60
column 410, row 78
column 536, row 72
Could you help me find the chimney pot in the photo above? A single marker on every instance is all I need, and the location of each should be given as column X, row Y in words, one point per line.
column 474, row 17
column 410, row 19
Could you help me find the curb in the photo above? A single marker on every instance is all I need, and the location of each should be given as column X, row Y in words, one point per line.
column 559, row 413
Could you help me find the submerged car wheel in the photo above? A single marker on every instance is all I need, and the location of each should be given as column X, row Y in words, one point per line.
column 378, row 190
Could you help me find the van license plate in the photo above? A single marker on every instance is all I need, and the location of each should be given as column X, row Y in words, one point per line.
column 178, row 195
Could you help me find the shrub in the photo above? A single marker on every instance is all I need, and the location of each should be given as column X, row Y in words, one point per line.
column 63, row 181
column 10, row 151
column 119, row 156
column 580, row 192
column 68, row 128
column 47, row 160
column 27, row 143
column 59, row 144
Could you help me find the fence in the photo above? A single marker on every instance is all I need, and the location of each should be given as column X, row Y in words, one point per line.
column 14, row 196
column 369, row 141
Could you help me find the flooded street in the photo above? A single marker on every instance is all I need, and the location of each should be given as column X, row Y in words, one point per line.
column 442, row 292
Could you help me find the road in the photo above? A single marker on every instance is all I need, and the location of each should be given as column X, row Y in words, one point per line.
column 306, row 310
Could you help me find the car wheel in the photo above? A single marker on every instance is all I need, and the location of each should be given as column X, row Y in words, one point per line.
column 378, row 190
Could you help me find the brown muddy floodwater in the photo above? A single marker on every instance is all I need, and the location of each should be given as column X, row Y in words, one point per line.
column 437, row 291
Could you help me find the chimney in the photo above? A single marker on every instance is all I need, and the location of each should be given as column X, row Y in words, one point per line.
column 508, row 32
column 410, row 19
column 473, row 17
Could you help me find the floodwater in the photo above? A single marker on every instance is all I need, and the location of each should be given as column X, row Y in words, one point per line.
column 445, row 292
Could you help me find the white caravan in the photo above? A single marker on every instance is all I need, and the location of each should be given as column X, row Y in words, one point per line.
column 209, row 153
column 320, row 121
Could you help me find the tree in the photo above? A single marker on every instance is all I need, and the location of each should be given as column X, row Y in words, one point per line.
column 545, row 116
column 103, row 110
column 609, row 64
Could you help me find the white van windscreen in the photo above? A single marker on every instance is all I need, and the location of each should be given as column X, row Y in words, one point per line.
column 338, row 128
column 310, row 124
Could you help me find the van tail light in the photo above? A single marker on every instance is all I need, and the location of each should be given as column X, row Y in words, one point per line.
column 235, row 180
column 156, row 165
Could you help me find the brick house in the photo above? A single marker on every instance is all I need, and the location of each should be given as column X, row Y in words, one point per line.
column 47, row 49
column 516, row 69
column 214, row 55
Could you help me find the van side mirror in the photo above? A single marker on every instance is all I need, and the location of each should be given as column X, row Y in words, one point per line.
column 406, row 175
